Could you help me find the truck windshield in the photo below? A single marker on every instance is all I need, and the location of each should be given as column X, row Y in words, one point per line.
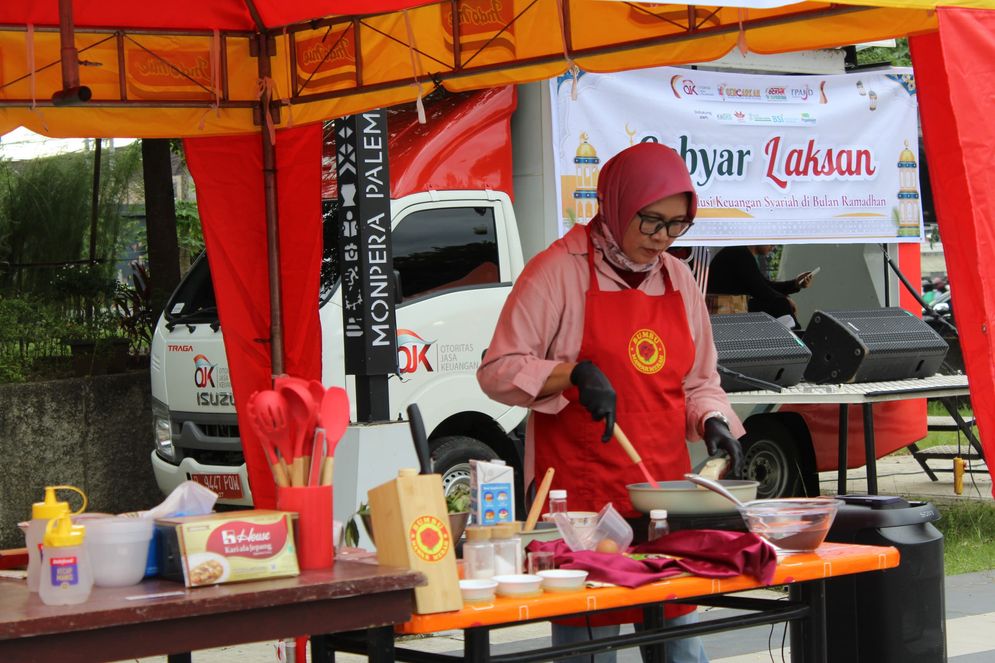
column 194, row 302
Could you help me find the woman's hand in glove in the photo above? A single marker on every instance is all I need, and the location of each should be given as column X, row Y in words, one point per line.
column 718, row 438
column 596, row 394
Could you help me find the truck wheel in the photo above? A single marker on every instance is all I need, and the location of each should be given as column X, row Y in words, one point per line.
column 451, row 458
column 770, row 457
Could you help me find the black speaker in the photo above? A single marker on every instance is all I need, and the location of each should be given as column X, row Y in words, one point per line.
column 758, row 346
column 871, row 345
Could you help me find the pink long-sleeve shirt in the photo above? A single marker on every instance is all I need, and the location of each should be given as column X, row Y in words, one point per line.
column 542, row 325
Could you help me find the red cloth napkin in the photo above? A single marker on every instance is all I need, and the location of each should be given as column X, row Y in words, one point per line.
column 707, row 553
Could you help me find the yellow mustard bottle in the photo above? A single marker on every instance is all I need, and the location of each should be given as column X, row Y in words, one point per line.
column 41, row 513
column 66, row 573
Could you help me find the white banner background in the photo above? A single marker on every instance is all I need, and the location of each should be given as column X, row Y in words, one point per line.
column 775, row 158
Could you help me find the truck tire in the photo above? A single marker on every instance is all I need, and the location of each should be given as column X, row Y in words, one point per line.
column 771, row 457
column 451, row 458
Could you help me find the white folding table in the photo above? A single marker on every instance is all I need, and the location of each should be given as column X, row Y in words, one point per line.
column 866, row 394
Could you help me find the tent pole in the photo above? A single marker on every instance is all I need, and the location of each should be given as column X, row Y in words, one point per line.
column 272, row 217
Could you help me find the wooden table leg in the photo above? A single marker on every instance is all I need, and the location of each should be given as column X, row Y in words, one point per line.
column 380, row 644
column 842, row 452
column 322, row 650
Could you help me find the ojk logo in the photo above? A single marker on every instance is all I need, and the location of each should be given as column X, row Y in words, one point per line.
column 412, row 351
column 203, row 373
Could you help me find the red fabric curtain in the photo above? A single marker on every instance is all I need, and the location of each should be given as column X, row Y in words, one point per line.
column 228, row 172
column 955, row 77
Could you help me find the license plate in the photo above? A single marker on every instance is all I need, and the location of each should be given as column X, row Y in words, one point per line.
column 227, row 486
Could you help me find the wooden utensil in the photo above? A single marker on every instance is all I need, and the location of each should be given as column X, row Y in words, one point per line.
column 334, row 421
column 267, row 411
column 634, row 455
column 540, row 499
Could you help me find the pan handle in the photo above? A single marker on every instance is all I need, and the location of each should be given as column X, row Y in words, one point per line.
column 714, row 486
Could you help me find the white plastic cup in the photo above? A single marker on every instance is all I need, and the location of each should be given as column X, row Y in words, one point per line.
column 119, row 549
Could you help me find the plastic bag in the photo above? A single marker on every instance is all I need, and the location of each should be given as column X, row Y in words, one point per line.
column 188, row 499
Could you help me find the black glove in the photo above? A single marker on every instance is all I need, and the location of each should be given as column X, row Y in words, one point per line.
column 718, row 438
column 596, row 394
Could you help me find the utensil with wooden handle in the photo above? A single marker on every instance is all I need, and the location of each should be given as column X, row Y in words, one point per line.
column 267, row 411
column 301, row 413
column 633, row 455
column 334, row 421
column 540, row 499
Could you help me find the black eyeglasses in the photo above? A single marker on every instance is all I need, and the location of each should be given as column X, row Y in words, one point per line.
column 651, row 225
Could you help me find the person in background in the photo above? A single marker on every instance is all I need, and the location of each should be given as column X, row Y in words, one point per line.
column 603, row 327
column 734, row 271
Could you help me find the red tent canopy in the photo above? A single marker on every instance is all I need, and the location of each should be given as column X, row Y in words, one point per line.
column 240, row 179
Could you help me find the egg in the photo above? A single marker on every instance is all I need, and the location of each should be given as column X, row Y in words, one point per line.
column 606, row 546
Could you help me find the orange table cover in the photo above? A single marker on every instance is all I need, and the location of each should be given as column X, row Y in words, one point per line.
column 830, row 560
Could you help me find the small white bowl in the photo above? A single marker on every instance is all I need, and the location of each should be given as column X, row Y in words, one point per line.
column 518, row 585
column 563, row 580
column 477, row 590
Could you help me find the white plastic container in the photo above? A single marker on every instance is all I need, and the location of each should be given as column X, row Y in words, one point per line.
column 66, row 575
column 119, row 549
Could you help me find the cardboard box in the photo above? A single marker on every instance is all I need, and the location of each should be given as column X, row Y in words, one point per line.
column 492, row 492
column 231, row 546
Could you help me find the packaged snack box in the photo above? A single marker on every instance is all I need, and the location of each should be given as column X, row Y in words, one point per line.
column 227, row 547
column 492, row 492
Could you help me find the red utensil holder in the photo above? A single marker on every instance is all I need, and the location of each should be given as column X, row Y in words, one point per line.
column 313, row 531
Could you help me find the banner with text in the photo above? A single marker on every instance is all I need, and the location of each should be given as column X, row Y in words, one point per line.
column 775, row 158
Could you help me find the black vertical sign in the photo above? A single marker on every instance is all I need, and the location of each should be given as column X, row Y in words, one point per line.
column 365, row 253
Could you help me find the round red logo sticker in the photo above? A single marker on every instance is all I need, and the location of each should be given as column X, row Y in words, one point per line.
column 429, row 538
column 647, row 352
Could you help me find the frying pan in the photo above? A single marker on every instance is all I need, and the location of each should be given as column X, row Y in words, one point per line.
column 683, row 498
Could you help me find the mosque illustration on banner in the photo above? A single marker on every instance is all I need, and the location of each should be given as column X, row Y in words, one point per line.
column 908, row 194
column 580, row 190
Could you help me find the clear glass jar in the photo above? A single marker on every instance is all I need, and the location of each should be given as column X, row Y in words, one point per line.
column 507, row 549
column 478, row 553
column 557, row 501
column 658, row 524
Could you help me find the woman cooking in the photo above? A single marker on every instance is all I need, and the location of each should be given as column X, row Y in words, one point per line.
column 605, row 326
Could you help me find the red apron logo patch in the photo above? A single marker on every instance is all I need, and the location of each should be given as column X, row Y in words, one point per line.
column 647, row 352
column 429, row 538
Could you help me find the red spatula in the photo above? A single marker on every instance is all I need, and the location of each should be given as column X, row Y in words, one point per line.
column 334, row 420
column 302, row 413
column 634, row 455
column 267, row 412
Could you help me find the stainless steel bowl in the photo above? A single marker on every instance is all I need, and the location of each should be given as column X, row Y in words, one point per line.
column 682, row 497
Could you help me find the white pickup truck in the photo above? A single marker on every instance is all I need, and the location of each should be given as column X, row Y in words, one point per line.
column 458, row 246
column 456, row 252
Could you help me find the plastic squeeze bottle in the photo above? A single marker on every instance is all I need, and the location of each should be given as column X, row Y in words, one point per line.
column 41, row 514
column 66, row 574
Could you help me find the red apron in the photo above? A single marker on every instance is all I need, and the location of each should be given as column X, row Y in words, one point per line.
column 643, row 345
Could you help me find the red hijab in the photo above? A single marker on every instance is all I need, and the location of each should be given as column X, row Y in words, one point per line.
column 634, row 178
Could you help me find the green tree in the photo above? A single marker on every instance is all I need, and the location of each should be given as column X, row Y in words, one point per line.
column 897, row 56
